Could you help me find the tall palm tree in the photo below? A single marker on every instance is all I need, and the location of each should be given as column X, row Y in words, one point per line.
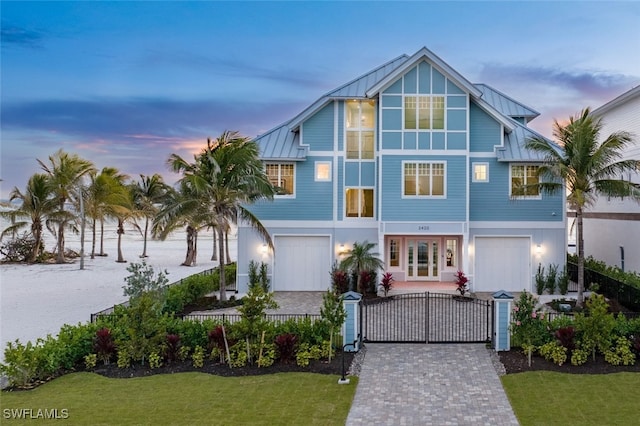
column 587, row 167
column 65, row 172
column 148, row 194
column 360, row 258
column 99, row 193
column 226, row 176
column 37, row 204
column 119, row 204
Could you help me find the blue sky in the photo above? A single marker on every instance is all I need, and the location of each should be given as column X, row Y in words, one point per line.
column 125, row 84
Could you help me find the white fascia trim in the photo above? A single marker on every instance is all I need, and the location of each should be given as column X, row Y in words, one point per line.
column 327, row 154
column 431, row 57
column 425, row 153
column 514, row 225
column 481, row 155
column 327, row 224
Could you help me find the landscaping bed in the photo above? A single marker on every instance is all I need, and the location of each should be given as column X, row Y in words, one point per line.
column 315, row 366
column 515, row 361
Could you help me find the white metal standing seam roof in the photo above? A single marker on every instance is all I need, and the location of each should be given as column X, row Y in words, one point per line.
column 281, row 143
column 505, row 104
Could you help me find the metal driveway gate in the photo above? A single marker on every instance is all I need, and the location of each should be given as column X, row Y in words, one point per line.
column 426, row 318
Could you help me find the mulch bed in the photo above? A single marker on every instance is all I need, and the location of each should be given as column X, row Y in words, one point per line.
column 320, row 367
column 515, row 361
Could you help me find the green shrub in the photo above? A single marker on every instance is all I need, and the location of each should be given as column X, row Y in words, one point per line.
column 198, row 357
column 579, row 357
column 266, row 355
column 155, row 360
column 90, row 361
column 239, row 356
column 124, row 359
column 20, row 364
column 628, row 277
column 540, row 279
column 184, row 352
column 552, row 351
column 595, row 325
column 563, row 281
column 621, row 353
column 551, row 278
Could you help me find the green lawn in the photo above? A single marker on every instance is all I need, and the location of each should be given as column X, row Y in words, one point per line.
column 188, row 399
column 549, row 398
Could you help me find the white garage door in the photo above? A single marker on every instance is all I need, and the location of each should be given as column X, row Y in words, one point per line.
column 502, row 264
column 302, row 264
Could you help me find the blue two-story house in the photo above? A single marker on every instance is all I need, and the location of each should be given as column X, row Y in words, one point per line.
column 413, row 157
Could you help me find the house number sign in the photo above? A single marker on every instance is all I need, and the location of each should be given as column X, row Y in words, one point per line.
column 423, row 227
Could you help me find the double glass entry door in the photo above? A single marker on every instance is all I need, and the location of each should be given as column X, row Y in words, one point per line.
column 423, row 259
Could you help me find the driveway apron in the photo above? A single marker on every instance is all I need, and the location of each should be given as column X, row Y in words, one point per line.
column 419, row 384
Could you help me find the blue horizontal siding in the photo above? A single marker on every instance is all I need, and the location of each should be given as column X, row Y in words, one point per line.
column 485, row 130
column 317, row 131
column 313, row 200
column 490, row 201
column 391, row 140
column 396, row 208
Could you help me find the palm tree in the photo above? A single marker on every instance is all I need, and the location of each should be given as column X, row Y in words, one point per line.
column 37, row 204
column 119, row 204
column 587, row 167
column 99, row 192
column 360, row 259
column 181, row 207
column 226, row 176
column 148, row 195
column 65, row 172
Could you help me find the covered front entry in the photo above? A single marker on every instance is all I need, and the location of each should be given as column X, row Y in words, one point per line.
column 423, row 257
column 426, row 318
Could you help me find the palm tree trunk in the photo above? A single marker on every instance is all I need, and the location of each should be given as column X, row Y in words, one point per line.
column 580, row 241
column 60, row 256
column 195, row 248
column 102, row 253
column 214, row 255
column 226, row 242
column 120, row 232
column 223, row 284
column 93, row 239
column 146, row 229
column 189, row 258
column 36, row 229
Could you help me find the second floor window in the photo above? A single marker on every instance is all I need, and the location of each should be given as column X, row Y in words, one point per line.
column 524, row 181
column 424, row 112
column 359, row 202
column 282, row 177
column 424, row 179
column 360, row 125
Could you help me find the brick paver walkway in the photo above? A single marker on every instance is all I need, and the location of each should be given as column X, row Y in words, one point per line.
column 418, row 384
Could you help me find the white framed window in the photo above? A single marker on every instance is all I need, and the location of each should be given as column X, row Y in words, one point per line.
column 524, row 181
column 282, row 176
column 424, row 179
column 394, row 252
column 480, row 172
column 359, row 202
column 360, row 129
column 424, row 112
column 323, row 171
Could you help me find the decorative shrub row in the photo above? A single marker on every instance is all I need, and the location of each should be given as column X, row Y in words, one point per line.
column 626, row 277
column 576, row 338
column 143, row 334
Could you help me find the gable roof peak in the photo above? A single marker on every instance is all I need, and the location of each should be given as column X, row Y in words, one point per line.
column 425, row 54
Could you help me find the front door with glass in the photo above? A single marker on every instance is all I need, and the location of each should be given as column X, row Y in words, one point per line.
column 422, row 262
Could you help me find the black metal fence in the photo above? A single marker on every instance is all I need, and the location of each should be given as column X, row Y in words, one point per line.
column 232, row 318
column 110, row 310
column 625, row 294
column 426, row 318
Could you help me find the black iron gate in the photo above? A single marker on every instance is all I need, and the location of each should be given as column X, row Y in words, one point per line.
column 426, row 318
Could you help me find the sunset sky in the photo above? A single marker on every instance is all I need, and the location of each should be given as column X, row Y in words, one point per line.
column 125, row 84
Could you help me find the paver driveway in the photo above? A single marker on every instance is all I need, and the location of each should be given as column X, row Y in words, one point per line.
column 419, row 384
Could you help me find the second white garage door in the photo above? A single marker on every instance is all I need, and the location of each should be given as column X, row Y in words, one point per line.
column 502, row 263
column 302, row 264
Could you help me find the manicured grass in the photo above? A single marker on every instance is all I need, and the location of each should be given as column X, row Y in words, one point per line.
column 550, row 398
column 189, row 398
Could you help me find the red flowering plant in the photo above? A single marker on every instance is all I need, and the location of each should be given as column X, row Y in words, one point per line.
column 387, row 283
column 529, row 328
column 461, row 282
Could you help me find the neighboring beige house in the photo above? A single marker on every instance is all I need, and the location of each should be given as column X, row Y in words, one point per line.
column 612, row 225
